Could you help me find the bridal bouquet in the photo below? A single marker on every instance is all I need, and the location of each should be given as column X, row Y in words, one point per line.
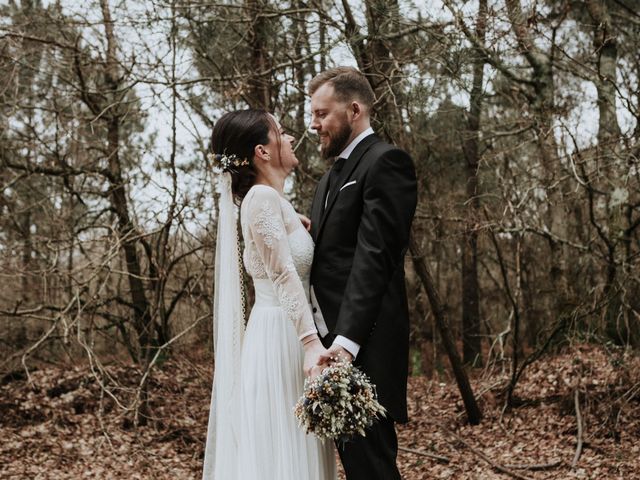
column 339, row 403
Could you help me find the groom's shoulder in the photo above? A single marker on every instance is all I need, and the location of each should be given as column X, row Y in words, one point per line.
column 381, row 149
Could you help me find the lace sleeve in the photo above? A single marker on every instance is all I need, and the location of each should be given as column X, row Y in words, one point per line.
column 266, row 224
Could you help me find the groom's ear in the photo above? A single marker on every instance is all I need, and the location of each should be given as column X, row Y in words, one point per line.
column 356, row 110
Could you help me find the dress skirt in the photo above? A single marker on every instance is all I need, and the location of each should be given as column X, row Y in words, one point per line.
column 271, row 445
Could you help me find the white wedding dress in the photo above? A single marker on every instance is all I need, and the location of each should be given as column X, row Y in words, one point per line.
column 278, row 255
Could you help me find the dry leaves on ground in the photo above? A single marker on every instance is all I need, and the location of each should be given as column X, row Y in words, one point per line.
column 65, row 426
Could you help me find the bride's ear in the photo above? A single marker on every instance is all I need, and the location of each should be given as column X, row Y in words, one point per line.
column 261, row 153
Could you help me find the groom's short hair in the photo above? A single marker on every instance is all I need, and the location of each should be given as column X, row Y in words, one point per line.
column 348, row 83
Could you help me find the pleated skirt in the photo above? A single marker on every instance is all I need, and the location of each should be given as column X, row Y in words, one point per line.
column 271, row 445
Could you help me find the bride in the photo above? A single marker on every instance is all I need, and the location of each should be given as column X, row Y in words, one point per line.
column 259, row 372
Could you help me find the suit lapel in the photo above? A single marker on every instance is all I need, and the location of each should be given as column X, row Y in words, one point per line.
column 318, row 204
column 346, row 172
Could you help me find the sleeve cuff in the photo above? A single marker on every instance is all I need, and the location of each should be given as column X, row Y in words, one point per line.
column 349, row 345
column 307, row 333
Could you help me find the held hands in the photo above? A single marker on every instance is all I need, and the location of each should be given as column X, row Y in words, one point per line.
column 335, row 353
column 313, row 351
column 316, row 357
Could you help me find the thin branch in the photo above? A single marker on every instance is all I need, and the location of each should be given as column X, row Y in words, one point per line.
column 536, row 467
column 576, row 402
column 438, row 458
column 480, row 454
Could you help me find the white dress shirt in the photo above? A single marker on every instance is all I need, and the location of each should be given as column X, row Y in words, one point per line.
column 354, row 143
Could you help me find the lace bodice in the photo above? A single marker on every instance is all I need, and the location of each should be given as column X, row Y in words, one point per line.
column 278, row 248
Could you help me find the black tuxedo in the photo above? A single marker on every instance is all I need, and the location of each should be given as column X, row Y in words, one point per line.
column 358, row 270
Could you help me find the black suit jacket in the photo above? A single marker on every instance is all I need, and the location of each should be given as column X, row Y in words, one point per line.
column 358, row 269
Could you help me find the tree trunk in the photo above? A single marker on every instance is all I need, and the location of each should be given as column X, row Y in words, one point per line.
column 381, row 66
column 605, row 42
column 472, row 345
column 118, row 199
column 26, row 287
column 474, row 414
column 142, row 319
column 259, row 95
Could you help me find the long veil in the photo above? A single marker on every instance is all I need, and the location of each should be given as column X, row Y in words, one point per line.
column 221, row 452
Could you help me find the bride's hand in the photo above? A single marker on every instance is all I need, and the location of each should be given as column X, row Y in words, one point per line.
column 313, row 351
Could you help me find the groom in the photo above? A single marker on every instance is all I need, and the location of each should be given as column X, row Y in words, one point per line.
column 360, row 221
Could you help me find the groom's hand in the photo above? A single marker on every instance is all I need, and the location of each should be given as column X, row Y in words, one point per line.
column 335, row 353
column 305, row 221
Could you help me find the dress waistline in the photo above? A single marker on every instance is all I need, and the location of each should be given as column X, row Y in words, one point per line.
column 266, row 295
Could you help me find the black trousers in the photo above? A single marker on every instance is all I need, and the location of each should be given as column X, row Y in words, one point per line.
column 372, row 457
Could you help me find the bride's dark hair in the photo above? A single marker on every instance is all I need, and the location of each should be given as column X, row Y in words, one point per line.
column 237, row 133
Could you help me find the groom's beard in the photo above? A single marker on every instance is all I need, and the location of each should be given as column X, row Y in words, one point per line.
column 338, row 142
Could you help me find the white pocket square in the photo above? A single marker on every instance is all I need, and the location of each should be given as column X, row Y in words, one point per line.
column 352, row 182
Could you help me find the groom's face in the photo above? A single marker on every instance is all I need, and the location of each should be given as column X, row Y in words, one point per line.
column 330, row 120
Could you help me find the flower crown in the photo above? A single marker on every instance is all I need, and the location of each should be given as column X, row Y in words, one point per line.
column 227, row 161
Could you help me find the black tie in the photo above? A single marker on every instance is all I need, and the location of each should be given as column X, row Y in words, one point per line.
column 335, row 173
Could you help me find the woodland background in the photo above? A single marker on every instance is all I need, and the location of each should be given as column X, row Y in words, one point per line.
column 523, row 121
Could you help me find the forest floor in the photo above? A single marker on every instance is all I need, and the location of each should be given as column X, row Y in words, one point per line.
column 62, row 425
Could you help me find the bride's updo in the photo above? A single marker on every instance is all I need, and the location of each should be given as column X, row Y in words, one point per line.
column 233, row 143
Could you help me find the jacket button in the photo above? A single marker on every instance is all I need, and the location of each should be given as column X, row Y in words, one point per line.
column 315, row 310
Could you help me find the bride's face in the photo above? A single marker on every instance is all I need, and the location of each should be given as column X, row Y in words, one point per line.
column 281, row 148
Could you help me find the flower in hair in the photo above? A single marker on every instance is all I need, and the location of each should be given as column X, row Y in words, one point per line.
column 227, row 162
